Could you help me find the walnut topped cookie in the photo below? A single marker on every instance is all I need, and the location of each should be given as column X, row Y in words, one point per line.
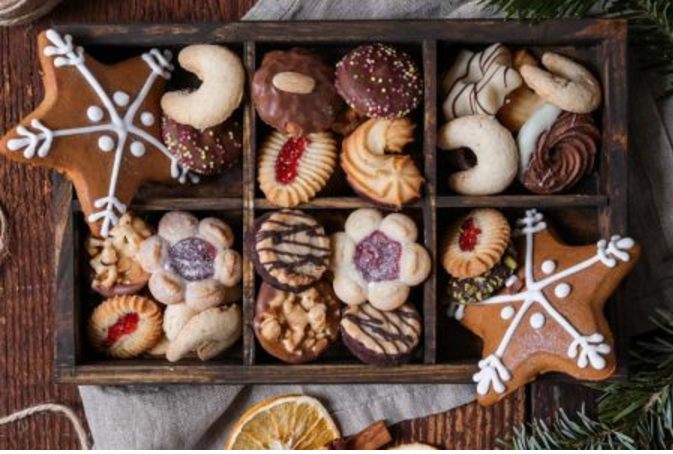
column 290, row 249
column 297, row 327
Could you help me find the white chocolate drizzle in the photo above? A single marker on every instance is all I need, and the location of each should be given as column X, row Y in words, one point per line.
column 587, row 350
column 38, row 140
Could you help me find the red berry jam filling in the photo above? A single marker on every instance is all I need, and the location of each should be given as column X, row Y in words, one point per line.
column 126, row 324
column 192, row 258
column 287, row 162
column 377, row 257
column 469, row 235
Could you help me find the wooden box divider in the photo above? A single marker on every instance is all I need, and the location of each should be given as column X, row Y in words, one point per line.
column 605, row 204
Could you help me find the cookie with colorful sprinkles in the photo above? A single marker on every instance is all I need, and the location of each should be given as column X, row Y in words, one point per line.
column 379, row 81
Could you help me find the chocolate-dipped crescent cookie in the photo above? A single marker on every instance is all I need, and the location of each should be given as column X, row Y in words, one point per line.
column 290, row 249
column 385, row 338
column 297, row 327
column 563, row 154
column 209, row 151
column 379, row 81
column 294, row 92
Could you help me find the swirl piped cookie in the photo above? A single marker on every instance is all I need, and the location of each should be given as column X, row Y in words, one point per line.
column 293, row 169
column 374, row 166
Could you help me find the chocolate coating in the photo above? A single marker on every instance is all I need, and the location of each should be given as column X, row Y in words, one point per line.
column 296, row 113
column 297, row 327
column 563, row 154
column 475, row 289
column 207, row 152
column 379, row 81
column 384, row 338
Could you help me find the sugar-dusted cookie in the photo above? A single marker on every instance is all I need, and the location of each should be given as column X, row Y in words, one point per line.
column 192, row 261
column 125, row 326
column 297, row 327
column 384, row 338
column 98, row 124
column 290, row 249
column 114, row 260
column 477, row 83
column 293, row 169
column 293, row 91
column 377, row 259
column 475, row 243
column 553, row 319
column 374, row 164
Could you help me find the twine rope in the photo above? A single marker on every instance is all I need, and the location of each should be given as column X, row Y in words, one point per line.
column 51, row 408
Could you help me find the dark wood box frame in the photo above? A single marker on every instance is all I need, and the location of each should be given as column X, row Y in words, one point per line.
column 608, row 37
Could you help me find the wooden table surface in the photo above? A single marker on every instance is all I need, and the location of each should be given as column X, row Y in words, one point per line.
column 26, row 303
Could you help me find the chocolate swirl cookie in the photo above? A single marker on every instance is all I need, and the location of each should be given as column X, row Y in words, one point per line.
column 384, row 338
column 290, row 249
column 563, row 154
column 294, row 92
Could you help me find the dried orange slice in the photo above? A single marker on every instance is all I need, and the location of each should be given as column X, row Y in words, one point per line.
column 284, row 422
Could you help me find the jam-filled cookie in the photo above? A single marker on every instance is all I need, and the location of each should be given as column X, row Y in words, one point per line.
column 381, row 337
column 125, row 326
column 379, row 81
column 192, row 261
column 475, row 243
column 297, row 327
column 293, row 169
column 377, row 259
column 294, row 92
column 290, row 249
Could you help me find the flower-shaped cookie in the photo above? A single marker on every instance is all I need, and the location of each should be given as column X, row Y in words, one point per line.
column 377, row 259
column 192, row 262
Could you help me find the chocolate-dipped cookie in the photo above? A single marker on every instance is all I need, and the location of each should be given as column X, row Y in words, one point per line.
column 385, row 338
column 475, row 289
column 379, row 81
column 209, row 151
column 294, row 92
column 289, row 249
column 297, row 327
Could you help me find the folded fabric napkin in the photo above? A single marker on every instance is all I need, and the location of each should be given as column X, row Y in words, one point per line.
column 198, row 416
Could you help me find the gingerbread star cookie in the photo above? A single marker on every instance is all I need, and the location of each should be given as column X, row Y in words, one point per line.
column 549, row 318
column 99, row 125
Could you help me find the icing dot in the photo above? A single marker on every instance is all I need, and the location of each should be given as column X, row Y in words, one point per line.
column 513, row 279
column 562, row 290
column 106, row 143
column 94, row 113
column 507, row 312
column 137, row 149
column 147, row 118
column 120, row 98
column 537, row 320
column 548, row 266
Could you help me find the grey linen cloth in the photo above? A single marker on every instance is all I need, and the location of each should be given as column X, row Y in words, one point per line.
column 198, row 416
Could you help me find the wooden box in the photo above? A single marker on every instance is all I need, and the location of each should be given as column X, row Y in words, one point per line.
column 448, row 353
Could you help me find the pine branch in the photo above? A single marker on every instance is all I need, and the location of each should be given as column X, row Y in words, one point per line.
column 650, row 24
column 637, row 413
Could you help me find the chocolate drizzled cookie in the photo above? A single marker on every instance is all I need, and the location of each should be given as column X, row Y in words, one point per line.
column 290, row 249
column 381, row 337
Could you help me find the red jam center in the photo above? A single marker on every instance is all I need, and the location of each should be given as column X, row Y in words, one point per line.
column 287, row 162
column 469, row 235
column 192, row 258
column 377, row 257
column 126, row 324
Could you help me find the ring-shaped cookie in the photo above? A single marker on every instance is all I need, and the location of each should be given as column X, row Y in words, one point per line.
column 494, row 147
column 377, row 259
column 192, row 262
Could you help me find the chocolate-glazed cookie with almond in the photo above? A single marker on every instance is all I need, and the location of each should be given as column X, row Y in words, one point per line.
column 297, row 327
column 289, row 249
column 294, row 92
